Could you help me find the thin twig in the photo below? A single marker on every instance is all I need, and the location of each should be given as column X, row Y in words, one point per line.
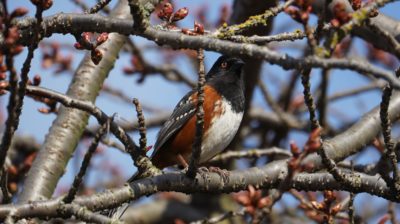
column 322, row 100
column 169, row 71
column 196, row 147
column 252, row 153
column 84, row 214
column 387, row 136
column 4, row 187
column 340, row 176
column 351, row 207
column 272, row 103
column 142, row 125
column 261, row 40
column 13, row 98
column 140, row 159
column 308, row 99
column 344, row 94
column 18, row 93
column 225, row 32
column 86, row 161
column 99, row 6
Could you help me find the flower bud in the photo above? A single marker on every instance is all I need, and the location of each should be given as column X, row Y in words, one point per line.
column 96, row 56
column 101, row 38
column 180, row 14
column 37, row 80
column 166, row 12
column 78, row 46
column 198, row 28
column 18, row 12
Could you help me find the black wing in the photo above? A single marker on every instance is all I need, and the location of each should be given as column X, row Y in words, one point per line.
column 181, row 114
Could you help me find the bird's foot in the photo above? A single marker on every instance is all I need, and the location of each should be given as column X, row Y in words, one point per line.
column 222, row 172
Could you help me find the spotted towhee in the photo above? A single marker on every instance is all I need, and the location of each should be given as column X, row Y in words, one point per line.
column 223, row 111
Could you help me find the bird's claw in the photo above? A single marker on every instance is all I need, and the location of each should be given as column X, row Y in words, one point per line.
column 222, row 172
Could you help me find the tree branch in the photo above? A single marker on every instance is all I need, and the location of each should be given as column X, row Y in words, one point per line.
column 267, row 177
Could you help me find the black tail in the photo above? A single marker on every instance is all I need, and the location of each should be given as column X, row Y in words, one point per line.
column 117, row 213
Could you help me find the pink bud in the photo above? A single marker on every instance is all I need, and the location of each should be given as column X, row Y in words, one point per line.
column 180, row 14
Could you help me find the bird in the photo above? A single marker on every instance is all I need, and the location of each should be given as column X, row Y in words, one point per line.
column 223, row 106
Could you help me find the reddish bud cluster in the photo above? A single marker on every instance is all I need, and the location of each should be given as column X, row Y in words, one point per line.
column 201, row 14
column 136, row 66
column 51, row 105
column 314, row 141
column 3, row 75
column 252, row 200
column 224, row 15
column 303, row 4
column 86, row 41
column 19, row 12
column 326, row 206
column 342, row 48
column 12, row 36
column 356, row 4
column 300, row 12
column 312, row 145
column 17, row 170
column 294, row 164
column 197, row 30
column 321, row 212
column 166, row 13
column 101, row 38
column 44, row 4
column 381, row 56
column 52, row 56
column 180, row 14
column 378, row 145
column 340, row 14
column 299, row 15
column 11, row 33
column 295, row 149
column 37, row 80
column 96, row 56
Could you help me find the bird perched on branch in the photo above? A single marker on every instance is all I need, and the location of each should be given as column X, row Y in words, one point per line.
column 223, row 112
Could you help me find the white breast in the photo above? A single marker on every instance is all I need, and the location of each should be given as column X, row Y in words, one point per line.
column 221, row 132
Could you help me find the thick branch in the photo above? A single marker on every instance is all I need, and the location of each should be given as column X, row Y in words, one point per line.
column 357, row 136
column 266, row 178
column 69, row 125
column 64, row 23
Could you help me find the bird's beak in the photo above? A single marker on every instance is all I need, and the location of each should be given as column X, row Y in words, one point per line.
column 238, row 64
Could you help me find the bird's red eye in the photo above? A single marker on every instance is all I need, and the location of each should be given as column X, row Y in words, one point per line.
column 224, row 65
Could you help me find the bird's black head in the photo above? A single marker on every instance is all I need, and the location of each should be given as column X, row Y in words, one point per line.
column 226, row 78
column 226, row 66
